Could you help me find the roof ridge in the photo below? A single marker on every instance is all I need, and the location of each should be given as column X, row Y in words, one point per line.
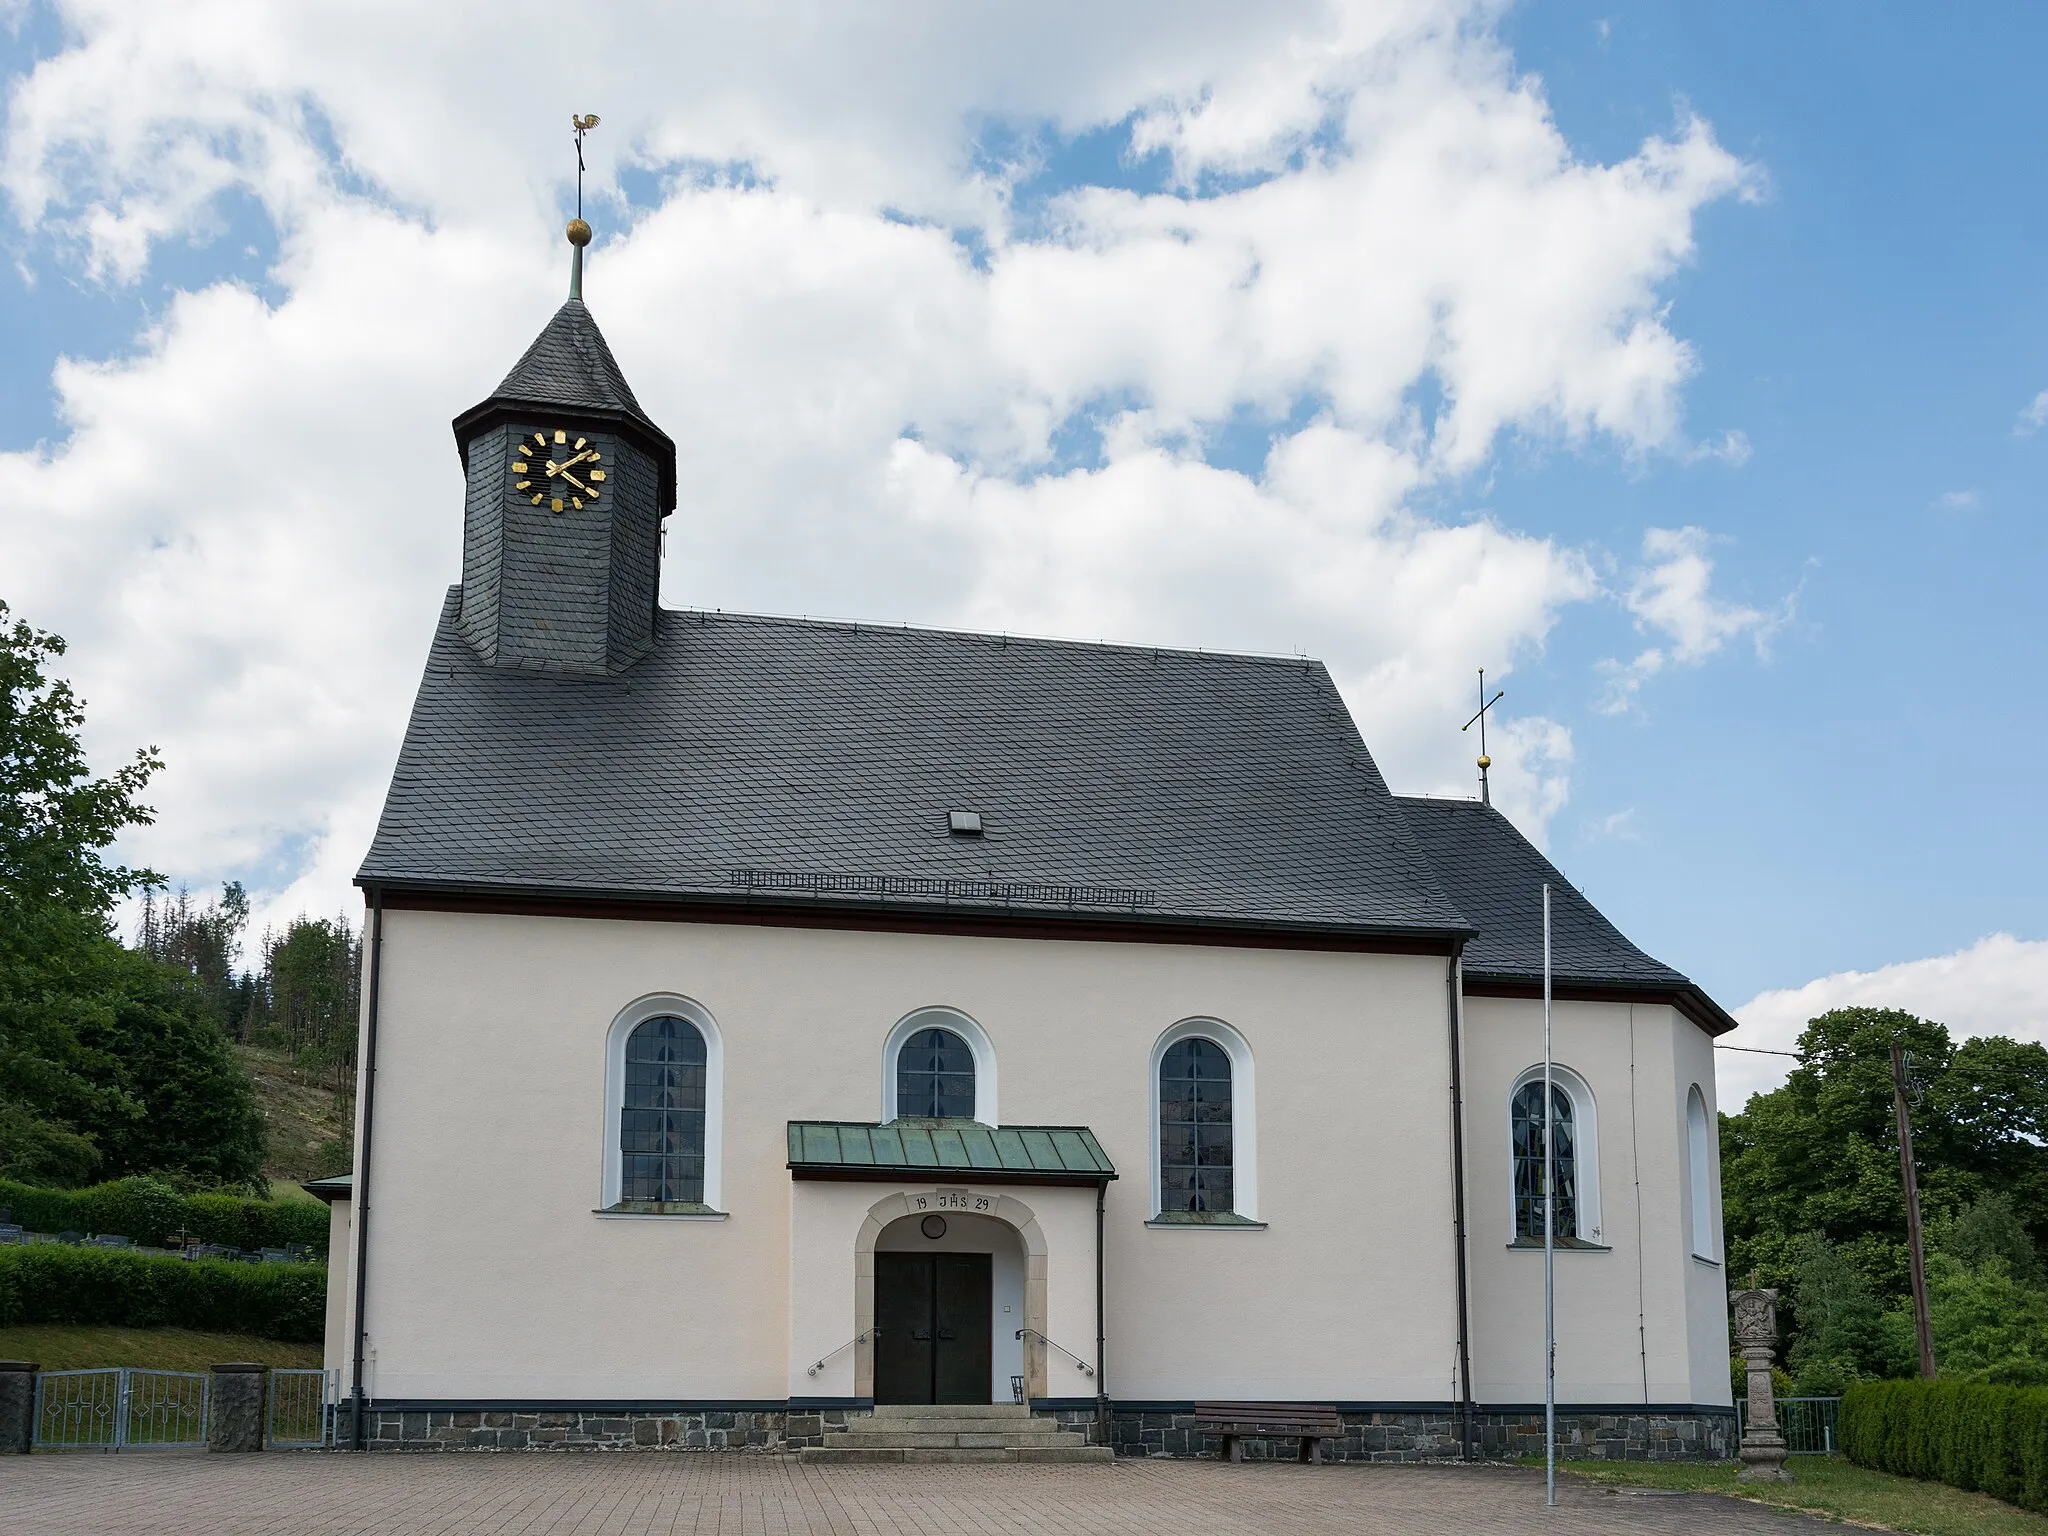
column 1003, row 636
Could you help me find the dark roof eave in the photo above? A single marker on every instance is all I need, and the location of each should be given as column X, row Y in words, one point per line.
column 1442, row 937
column 341, row 1186
column 1688, row 997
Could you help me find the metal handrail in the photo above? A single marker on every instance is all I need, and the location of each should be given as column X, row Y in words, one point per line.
column 1079, row 1364
column 819, row 1364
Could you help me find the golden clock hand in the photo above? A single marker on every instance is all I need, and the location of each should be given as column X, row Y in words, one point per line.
column 586, row 490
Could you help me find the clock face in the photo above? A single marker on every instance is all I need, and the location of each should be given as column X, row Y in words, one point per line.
column 560, row 469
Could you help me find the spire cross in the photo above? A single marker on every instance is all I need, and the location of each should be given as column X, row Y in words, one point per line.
column 579, row 232
column 1485, row 762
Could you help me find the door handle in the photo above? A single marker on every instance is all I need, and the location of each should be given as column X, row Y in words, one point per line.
column 922, row 1335
column 947, row 1333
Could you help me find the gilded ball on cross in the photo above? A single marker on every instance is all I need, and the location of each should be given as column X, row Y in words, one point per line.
column 1486, row 762
column 579, row 232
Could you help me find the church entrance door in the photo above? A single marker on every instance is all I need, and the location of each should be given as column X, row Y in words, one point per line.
column 932, row 1327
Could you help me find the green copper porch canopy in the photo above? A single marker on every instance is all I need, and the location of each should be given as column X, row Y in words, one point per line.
column 962, row 1149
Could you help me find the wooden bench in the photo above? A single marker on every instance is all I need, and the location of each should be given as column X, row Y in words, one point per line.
column 1311, row 1423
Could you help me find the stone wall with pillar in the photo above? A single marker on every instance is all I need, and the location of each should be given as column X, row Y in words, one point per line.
column 234, row 1413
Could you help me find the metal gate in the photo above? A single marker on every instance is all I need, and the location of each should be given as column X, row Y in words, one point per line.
column 113, row 1410
column 1809, row 1424
column 303, row 1408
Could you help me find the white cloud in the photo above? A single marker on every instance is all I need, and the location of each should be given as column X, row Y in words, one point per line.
column 1670, row 596
column 1956, row 501
column 2034, row 417
column 247, row 527
column 1997, row 986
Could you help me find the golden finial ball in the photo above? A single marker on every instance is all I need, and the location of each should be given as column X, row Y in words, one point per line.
column 579, row 232
column 1486, row 762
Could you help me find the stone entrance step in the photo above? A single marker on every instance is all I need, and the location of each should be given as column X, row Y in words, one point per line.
column 952, row 1433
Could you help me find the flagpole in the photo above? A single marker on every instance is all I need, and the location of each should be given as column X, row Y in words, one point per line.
column 1549, row 1239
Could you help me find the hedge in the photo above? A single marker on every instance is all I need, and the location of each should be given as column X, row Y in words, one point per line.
column 108, row 1287
column 1966, row 1434
column 147, row 1210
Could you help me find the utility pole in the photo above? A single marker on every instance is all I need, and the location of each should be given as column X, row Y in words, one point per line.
column 1922, row 1324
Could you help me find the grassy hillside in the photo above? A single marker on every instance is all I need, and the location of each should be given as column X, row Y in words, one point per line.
column 64, row 1348
column 307, row 1127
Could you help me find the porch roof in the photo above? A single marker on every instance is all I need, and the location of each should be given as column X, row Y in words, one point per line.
column 1012, row 1154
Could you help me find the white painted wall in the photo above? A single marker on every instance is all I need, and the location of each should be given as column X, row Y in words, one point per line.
column 340, row 1274
column 1644, row 1321
column 491, row 1278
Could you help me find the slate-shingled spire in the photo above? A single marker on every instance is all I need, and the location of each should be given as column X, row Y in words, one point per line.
column 563, row 582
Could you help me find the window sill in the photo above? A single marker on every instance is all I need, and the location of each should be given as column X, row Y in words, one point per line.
column 1560, row 1244
column 650, row 1210
column 1227, row 1221
column 1701, row 1258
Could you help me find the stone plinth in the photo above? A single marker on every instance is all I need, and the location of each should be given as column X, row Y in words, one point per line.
column 234, row 1417
column 17, row 1406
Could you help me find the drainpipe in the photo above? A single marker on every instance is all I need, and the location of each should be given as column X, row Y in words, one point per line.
column 367, row 1086
column 1101, row 1391
column 1453, row 978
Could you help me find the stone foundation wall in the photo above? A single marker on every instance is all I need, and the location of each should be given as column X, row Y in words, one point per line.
column 1435, row 1437
column 1367, row 1436
column 646, row 1430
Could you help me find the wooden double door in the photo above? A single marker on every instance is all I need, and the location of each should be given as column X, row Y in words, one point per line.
column 933, row 1329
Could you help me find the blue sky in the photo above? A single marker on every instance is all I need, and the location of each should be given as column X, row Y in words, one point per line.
column 809, row 264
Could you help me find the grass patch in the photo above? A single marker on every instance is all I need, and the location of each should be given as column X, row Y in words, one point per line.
column 1830, row 1486
column 63, row 1347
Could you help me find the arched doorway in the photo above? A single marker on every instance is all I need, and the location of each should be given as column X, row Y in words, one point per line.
column 953, row 1301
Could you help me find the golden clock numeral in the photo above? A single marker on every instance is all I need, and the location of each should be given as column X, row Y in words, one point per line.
column 561, row 436
column 541, row 438
column 597, row 474
column 595, row 455
column 556, row 504
column 525, row 485
column 579, row 442
column 579, row 502
column 536, row 501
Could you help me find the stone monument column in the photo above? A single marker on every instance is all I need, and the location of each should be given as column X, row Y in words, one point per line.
column 17, row 1406
column 235, row 1415
column 1756, row 1334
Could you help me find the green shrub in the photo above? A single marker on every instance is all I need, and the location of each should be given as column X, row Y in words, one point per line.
column 147, row 1210
column 1971, row 1435
column 106, row 1287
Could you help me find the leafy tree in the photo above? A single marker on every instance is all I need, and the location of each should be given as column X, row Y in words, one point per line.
column 1820, row 1155
column 1987, row 1325
column 109, row 1060
column 204, row 942
column 1842, row 1335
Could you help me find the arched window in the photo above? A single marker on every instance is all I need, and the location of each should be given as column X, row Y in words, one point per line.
column 663, row 1123
column 1197, row 1166
column 661, row 1118
column 1699, row 1145
column 935, row 1077
column 1530, row 1163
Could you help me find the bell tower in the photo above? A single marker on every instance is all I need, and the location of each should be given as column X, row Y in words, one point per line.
column 568, row 481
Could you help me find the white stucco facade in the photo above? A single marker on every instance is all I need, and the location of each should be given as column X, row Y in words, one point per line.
column 494, row 1276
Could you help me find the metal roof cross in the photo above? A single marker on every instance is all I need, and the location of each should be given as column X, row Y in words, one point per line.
column 1485, row 762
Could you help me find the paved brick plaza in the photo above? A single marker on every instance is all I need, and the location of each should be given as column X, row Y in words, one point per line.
column 599, row 1494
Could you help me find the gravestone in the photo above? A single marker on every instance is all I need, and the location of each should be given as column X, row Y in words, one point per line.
column 1756, row 1335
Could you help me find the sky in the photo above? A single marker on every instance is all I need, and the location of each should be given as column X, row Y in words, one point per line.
column 1685, row 367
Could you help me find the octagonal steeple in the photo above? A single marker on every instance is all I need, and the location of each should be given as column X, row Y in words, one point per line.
column 568, row 481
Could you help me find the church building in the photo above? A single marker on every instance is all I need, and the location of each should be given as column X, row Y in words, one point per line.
column 903, row 1043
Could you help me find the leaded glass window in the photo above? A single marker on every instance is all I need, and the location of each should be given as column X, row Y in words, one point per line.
column 1194, row 1128
column 1528, row 1139
column 661, row 1122
column 935, row 1077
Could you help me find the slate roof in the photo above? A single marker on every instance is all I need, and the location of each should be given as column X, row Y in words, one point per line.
column 1035, row 1154
column 1496, row 876
column 570, row 367
column 750, row 759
